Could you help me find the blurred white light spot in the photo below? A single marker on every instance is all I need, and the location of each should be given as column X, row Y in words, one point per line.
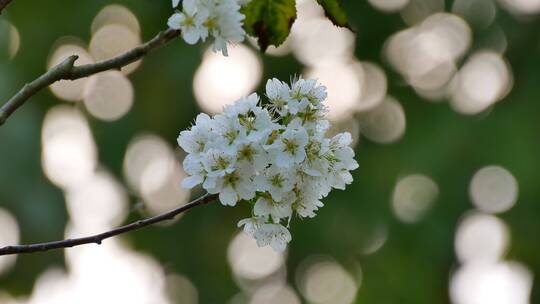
column 275, row 293
column 116, row 14
column 14, row 42
column 376, row 241
column 67, row 89
column 181, row 290
column 108, row 95
column 249, row 261
column 484, row 79
column 69, row 154
column 323, row 281
column 384, row 123
column 373, row 86
column 317, row 42
column 307, row 9
column 425, row 55
column 130, row 277
column 152, row 171
column 141, row 151
column 98, row 204
column 112, row 40
column 388, row 5
column 413, row 196
column 418, row 10
column 453, row 33
column 481, row 238
column 221, row 80
column 167, row 195
column 521, row 7
column 10, row 39
column 342, row 82
column 500, row 283
column 9, row 235
column 493, row 189
column 479, row 13
column 51, row 287
column 432, row 83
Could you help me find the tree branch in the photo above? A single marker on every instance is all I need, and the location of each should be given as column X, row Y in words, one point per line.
column 3, row 4
column 67, row 71
column 98, row 238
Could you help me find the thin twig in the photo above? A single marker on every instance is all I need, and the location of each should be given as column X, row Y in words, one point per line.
column 98, row 238
column 67, row 71
column 3, row 4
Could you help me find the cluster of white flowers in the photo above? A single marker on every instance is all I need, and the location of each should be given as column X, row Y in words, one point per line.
column 273, row 155
column 198, row 19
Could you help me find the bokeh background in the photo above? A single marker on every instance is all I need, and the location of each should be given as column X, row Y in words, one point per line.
column 442, row 100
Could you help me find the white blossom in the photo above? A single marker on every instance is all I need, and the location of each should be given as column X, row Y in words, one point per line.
column 274, row 156
column 199, row 19
column 275, row 235
column 252, row 224
column 190, row 21
column 194, row 167
column 276, row 181
column 232, row 186
column 266, row 206
column 195, row 139
column 278, row 93
column 288, row 150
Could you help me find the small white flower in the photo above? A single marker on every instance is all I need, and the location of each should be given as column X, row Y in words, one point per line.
column 218, row 164
column 190, row 22
column 309, row 90
column 194, row 167
column 252, row 224
column 277, row 181
column 195, row 139
column 316, row 164
column 341, row 158
column 288, row 150
column 200, row 18
column 229, row 133
column 266, row 206
column 243, row 106
column 232, row 186
column 307, row 208
column 224, row 22
column 275, row 235
column 278, row 94
column 252, row 154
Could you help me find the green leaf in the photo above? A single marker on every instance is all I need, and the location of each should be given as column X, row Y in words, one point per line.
column 269, row 20
column 333, row 9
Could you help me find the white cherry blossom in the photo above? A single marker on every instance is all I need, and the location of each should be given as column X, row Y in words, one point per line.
column 273, row 156
column 252, row 224
column 289, row 150
column 199, row 19
column 266, row 206
column 276, row 181
column 275, row 235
